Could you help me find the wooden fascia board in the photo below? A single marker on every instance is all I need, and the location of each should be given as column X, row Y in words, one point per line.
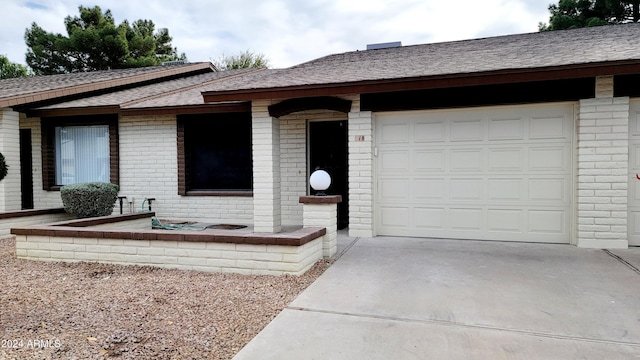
column 430, row 82
column 87, row 110
column 166, row 110
column 189, row 109
column 106, row 84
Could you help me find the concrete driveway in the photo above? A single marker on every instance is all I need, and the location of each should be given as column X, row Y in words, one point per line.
column 403, row 298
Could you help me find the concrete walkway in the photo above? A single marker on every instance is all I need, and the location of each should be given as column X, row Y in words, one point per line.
column 402, row 298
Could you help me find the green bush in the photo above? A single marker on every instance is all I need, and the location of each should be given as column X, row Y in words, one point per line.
column 3, row 167
column 89, row 199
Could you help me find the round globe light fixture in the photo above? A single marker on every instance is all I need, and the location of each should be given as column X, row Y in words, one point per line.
column 320, row 181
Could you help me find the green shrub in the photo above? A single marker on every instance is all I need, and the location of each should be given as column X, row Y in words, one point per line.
column 3, row 167
column 89, row 199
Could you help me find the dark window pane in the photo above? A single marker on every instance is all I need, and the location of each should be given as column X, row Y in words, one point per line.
column 218, row 151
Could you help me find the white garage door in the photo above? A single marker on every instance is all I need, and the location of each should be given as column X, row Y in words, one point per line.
column 500, row 173
column 634, row 168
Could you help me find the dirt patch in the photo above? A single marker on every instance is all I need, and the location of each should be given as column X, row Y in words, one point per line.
column 87, row 310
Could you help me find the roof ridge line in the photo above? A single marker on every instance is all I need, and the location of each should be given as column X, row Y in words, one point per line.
column 467, row 40
column 101, row 85
column 186, row 88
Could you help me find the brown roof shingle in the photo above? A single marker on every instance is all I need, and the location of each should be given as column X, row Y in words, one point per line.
column 176, row 92
column 542, row 50
column 540, row 55
column 38, row 88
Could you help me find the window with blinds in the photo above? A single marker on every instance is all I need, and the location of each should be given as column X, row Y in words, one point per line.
column 82, row 154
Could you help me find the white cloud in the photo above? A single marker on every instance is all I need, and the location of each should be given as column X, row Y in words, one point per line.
column 288, row 31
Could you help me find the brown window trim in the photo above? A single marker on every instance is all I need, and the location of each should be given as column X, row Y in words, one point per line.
column 183, row 175
column 48, row 126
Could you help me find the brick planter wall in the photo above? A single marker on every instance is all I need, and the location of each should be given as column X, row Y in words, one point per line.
column 128, row 239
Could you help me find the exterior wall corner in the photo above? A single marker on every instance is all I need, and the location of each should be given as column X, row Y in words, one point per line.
column 360, row 174
column 10, row 186
column 266, row 169
column 602, row 173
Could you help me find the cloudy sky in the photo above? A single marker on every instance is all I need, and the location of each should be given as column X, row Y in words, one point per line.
column 288, row 32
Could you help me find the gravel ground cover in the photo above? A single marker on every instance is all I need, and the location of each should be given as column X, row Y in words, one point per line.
column 98, row 311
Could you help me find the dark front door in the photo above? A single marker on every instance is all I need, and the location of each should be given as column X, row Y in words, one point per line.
column 328, row 151
column 26, row 164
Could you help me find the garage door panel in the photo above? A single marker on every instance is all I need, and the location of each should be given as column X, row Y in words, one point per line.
column 429, row 218
column 430, row 190
column 506, row 129
column 547, row 221
column 429, row 160
column 505, row 220
column 468, row 219
column 395, row 217
column 635, row 156
column 501, row 190
column 634, row 121
column 466, row 159
column 634, row 224
column 635, row 191
column 466, row 189
column 430, row 131
column 548, row 128
column 549, row 159
column 394, row 133
column 394, row 161
column 548, row 189
column 506, row 159
column 394, row 190
column 484, row 173
column 466, row 130
column 633, row 219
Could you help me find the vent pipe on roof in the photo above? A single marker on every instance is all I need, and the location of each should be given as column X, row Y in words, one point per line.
column 384, row 45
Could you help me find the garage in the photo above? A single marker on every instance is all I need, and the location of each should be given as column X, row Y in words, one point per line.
column 634, row 170
column 487, row 173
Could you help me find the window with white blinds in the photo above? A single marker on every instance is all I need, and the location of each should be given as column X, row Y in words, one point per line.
column 81, row 154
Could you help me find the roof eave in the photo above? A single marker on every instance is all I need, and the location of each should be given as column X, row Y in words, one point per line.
column 190, row 109
column 102, row 85
column 85, row 110
column 235, row 106
column 505, row 76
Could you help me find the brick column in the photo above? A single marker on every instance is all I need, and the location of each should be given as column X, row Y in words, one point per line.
column 10, row 188
column 322, row 211
column 266, row 169
column 603, row 152
column 360, row 174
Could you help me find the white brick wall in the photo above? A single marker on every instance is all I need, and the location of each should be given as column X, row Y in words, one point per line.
column 604, row 86
column 212, row 257
column 360, row 173
column 148, row 169
column 603, row 152
column 293, row 167
column 324, row 215
column 10, row 194
column 266, row 169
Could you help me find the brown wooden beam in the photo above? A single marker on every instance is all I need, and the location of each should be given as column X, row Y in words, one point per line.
column 90, row 110
column 190, row 109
